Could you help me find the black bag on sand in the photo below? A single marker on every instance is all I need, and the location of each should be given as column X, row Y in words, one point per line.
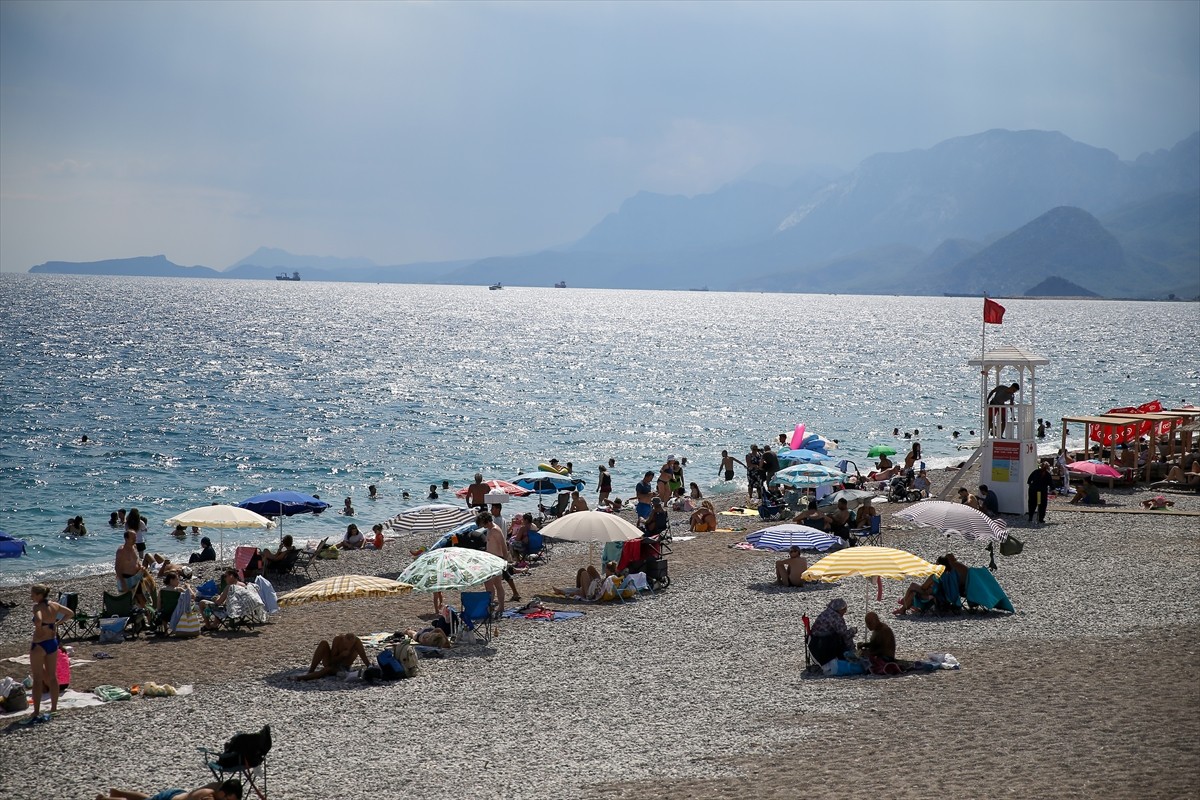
column 1011, row 546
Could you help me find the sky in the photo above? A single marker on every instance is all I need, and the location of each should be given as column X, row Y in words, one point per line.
column 414, row 131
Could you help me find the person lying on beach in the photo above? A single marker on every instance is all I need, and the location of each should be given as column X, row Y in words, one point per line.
column 226, row 790
column 430, row 637
column 882, row 644
column 331, row 658
column 1158, row 502
column 788, row 571
column 884, row 475
column 589, row 583
column 1190, row 478
column 703, row 518
column 207, row 553
column 353, row 540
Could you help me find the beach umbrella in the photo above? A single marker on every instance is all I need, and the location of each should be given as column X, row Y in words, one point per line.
column 450, row 568
column 284, row 504
column 220, row 517
column 871, row 562
column 785, row 537
column 815, row 441
column 344, row 587
column 1096, row 469
column 808, row 475
column 547, row 482
column 432, row 518
column 591, row 526
column 11, row 546
column 853, row 498
column 956, row 518
column 881, row 450
column 498, row 486
column 804, row 457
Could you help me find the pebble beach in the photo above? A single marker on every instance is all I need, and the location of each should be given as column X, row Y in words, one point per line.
column 1091, row 689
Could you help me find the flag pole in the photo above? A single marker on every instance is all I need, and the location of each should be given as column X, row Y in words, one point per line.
column 983, row 415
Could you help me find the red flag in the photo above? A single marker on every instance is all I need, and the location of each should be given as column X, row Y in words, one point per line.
column 993, row 312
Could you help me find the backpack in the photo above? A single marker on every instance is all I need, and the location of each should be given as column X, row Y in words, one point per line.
column 390, row 666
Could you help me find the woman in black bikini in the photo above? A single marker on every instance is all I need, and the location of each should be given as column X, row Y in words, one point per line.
column 43, row 650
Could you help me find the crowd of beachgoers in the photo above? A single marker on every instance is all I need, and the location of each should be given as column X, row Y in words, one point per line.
column 721, row 606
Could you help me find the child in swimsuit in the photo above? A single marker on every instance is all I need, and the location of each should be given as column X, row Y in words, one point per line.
column 43, row 650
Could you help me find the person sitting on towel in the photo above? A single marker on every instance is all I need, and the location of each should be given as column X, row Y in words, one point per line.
column 788, row 571
column 703, row 518
column 1089, row 495
column 882, row 644
column 224, row 790
column 331, row 658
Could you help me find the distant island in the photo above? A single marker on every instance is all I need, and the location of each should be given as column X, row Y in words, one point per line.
column 1009, row 213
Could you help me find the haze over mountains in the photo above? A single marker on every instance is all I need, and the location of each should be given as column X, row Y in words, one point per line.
column 998, row 212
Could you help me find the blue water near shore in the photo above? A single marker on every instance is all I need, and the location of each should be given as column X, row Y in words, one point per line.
column 198, row 391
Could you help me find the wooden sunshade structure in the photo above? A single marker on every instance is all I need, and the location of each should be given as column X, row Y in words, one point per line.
column 1179, row 420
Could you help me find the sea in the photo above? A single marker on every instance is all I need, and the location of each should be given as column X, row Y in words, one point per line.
column 198, row 391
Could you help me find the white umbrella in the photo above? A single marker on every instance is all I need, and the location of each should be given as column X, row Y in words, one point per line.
column 220, row 517
column 591, row 526
column 967, row 522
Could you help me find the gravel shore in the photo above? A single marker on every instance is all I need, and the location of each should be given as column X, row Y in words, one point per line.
column 1089, row 690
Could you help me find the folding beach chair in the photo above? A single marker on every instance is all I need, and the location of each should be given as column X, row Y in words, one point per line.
column 244, row 561
column 475, row 619
column 308, row 559
column 539, row 548
column 244, row 757
column 168, row 601
column 285, row 567
column 873, row 534
column 79, row 626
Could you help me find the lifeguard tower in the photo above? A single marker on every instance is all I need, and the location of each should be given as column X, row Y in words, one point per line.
column 1008, row 444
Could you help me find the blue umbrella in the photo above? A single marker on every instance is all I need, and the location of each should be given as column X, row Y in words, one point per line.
column 804, row 457
column 10, row 546
column 548, row 482
column 284, row 504
column 785, row 537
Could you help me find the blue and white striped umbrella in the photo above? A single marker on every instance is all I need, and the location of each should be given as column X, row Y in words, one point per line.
column 432, row 518
column 785, row 537
column 808, row 475
column 804, row 457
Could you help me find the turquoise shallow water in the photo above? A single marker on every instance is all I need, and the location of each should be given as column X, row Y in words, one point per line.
column 195, row 391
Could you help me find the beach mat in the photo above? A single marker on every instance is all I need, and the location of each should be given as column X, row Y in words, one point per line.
column 75, row 662
column 68, row 699
column 547, row 615
column 739, row 512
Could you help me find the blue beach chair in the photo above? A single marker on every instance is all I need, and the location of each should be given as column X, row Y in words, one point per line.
column 475, row 619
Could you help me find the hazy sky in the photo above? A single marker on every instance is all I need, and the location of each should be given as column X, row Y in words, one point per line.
column 411, row 131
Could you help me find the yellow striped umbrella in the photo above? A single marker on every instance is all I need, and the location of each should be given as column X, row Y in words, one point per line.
column 344, row 587
column 871, row 562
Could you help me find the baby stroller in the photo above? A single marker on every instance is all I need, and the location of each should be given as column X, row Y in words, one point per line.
column 899, row 489
column 652, row 562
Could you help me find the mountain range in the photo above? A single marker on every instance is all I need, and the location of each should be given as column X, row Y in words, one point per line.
column 997, row 212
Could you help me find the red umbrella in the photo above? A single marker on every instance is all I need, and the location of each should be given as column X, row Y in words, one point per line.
column 499, row 486
column 1094, row 468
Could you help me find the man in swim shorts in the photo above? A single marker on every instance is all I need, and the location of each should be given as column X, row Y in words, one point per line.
column 645, row 493
column 727, row 462
column 330, row 658
column 226, row 790
column 128, row 566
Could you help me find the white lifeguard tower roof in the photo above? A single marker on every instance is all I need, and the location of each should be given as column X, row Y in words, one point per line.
column 1009, row 357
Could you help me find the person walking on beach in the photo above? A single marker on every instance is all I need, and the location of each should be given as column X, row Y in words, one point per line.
column 770, row 463
column 497, row 546
column 43, row 651
column 1039, row 481
column 605, row 485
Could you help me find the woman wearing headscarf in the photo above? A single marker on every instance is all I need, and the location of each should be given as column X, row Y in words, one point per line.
column 830, row 637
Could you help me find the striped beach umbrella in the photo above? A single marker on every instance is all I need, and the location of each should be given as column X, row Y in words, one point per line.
column 432, row 518
column 344, row 587
column 956, row 518
column 785, row 537
column 808, row 475
column 450, row 568
column 871, row 562
column 804, row 457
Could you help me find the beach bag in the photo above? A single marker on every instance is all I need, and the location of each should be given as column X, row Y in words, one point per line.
column 13, row 699
column 189, row 623
column 390, row 666
column 112, row 629
column 111, row 693
column 208, row 589
column 330, row 553
column 1011, row 546
column 404, row 651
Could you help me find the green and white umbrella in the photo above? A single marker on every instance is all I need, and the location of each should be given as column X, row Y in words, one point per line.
column 449, row 568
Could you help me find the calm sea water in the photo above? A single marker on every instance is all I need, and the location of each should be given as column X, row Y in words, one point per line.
column 199, row 391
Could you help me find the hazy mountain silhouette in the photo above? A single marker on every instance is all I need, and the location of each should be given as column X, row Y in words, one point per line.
column 1055, row 286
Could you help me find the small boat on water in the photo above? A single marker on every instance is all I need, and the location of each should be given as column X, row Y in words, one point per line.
column 701, row 289
column 560, row 285
column 495, row 286
column 283, row 276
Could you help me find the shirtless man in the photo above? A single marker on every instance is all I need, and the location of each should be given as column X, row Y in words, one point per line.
column 968, row 499
column 839, row 524
column 788, row 571
column 577, row 503
column 477, row 492
column 497, row 546
column 726, row 468
column 128, row 566
column 333, row 657
column 226, row 790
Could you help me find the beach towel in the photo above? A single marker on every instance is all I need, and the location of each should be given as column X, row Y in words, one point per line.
column 244, row 603
column 948, row 590
column 266, row 593
column 739, row 512
column 612, row 551
column 68, row 699
column 110, row 694
column 983, row 590
column 375, row 640
column 543, row 615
